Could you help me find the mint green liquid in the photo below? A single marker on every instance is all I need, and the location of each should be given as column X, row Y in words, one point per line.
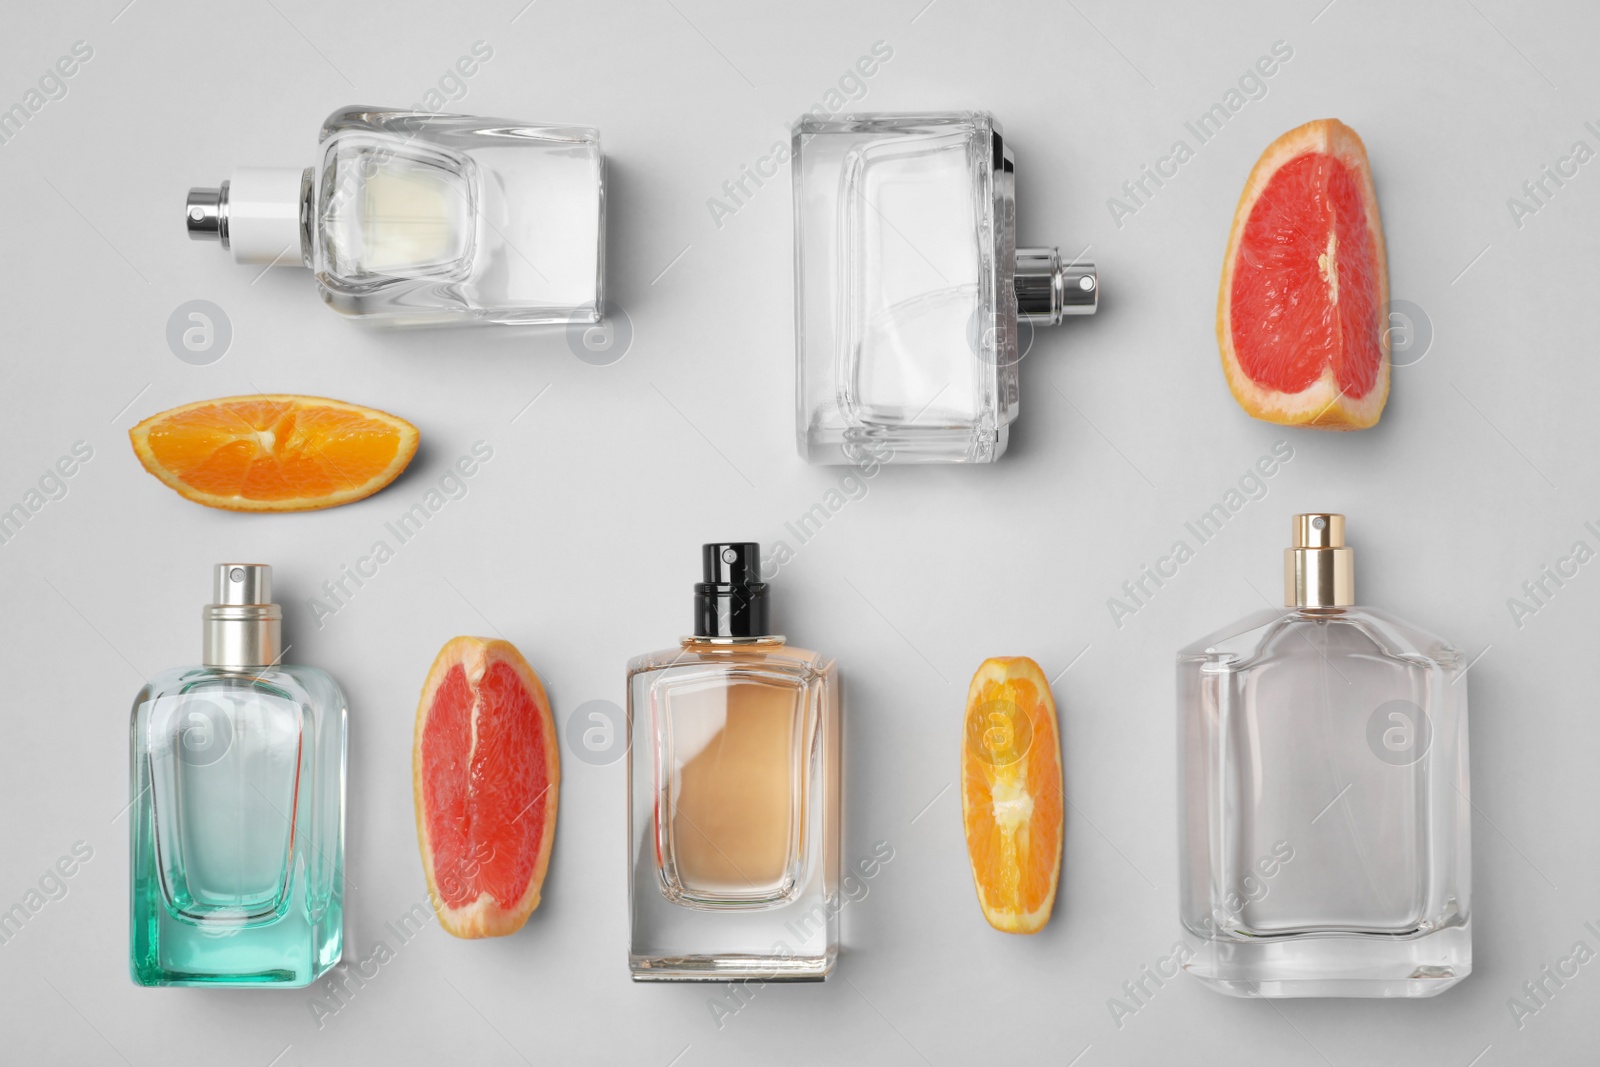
column 237, row 827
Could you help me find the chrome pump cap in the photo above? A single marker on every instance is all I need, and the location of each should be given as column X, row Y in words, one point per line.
column 243, row 628
column 1319, row 569
column 1049, row 290
column 258, row 215
column 206, row 214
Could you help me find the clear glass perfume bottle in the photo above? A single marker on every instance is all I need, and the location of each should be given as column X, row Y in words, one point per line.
column 910, row 288
column 1324, row 822
column 733, row 793
column 237, row 809
column 411, row 218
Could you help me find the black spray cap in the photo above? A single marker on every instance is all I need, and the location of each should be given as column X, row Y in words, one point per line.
column 730, row 600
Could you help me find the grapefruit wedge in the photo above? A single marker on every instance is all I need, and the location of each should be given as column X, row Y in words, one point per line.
column 1011, row 798
column 486, row 772
column 1302, row 316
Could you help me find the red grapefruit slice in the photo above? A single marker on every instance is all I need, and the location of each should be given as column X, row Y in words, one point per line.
column 1302, row 316
column 486, row 772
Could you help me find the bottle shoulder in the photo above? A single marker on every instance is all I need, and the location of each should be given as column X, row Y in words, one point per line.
column 1242, row 634
column 406, row 127
column 325, row 692
column 296, row 682
column 1359, row 630
column 769, row 656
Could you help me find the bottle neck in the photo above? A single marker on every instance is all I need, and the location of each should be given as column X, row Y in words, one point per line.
column 1319, row 579
column 725, row 644
column 242, row 635
column 734, row 612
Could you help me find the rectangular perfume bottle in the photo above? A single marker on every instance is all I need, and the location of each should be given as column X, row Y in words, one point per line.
column 734, row 786
column 1325, row 823
column 411, row 218
column 237, row 784
column 910, row 289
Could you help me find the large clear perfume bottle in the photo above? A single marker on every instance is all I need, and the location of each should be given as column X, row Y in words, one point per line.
column 733, row 793
column 910, row 289
column 237, row 809
column 411, row 218
column 1324, row 823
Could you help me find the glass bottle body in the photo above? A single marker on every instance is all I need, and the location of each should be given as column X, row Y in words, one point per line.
column 1324, row 824
column 906, row 322
column 733, row 808
column 237, row 827
column 416, row 219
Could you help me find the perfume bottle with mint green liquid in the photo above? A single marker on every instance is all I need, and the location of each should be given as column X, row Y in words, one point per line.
column 237, row 785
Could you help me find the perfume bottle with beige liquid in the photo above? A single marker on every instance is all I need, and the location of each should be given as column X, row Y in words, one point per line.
column 733, row 782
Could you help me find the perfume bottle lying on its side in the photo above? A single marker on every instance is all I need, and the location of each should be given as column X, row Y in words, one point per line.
column 913, row 303
column 1325, row 830
column 412, row 218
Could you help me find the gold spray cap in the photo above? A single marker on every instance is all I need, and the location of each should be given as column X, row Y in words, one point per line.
column 1319, row 570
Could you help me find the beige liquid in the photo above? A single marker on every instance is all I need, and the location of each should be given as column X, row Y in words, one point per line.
column 736, row 798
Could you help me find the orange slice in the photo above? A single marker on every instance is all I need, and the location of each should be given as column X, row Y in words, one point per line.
column 486, row 774
column 1302, row 316
column 1011, row 799
column 274, row 453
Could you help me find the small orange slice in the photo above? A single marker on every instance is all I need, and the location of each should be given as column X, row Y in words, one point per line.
column 486, row 774
column 1303, row 312
column 1011, row 799
column 274, row 453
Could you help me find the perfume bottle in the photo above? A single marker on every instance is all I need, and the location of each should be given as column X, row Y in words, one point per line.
column 910, row 290
column 733, row 793
column 412, row 218
column 237, row 809
column 1324, row 821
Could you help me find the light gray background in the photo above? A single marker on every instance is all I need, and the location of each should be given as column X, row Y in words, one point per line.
column 579, row 540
